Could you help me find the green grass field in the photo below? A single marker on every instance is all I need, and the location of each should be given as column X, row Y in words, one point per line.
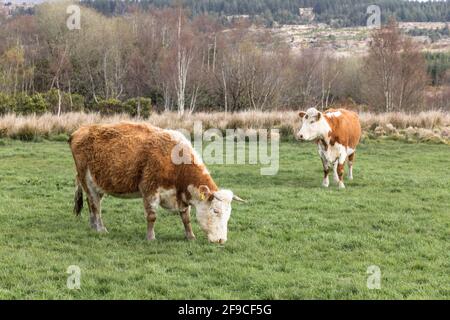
column 292, row 240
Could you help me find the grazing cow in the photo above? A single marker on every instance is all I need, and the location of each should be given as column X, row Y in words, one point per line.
column 337, row 133
column 136, row 161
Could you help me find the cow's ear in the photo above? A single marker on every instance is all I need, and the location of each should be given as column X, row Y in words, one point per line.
column 204, row 192
column 301, row 114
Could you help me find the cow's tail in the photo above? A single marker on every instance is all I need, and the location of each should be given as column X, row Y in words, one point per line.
column 78, row 199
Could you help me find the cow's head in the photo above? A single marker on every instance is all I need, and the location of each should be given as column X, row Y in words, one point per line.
column 213, row 211
column 314, row 126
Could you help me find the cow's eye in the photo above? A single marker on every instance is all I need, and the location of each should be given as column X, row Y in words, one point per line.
column 216, row 211
column 306, row 117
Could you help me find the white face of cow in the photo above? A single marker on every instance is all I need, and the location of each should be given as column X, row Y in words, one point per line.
column 213, row 212
column 314, row 125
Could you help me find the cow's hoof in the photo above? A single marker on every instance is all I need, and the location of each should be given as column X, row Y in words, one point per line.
column 151, row 238
column 341, row 185
column 350, row 177
column 102, row 230
column 190, row 237
column 336, row 179
column 325, row 185
column 99, row 229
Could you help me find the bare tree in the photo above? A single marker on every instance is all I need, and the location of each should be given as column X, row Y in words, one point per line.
column 395, row 71
column 184, row 59
column 412, row 77
column 305, row 79
column 329, row 72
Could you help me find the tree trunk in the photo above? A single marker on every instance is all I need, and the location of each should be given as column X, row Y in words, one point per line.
column 59, row 97
column 180, row 69
column 225, row 93
column 70, row 97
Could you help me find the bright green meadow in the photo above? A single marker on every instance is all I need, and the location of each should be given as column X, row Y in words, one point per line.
column 293, row 239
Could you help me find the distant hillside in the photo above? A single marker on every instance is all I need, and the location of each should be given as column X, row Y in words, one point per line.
column 339, row 13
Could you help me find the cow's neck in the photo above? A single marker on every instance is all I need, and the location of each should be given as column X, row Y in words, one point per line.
column 324, row 139
column 323, row 143
column 331, row 138
column 203, row 177
column 195, row 175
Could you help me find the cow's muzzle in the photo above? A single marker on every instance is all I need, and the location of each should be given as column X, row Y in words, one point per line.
column 299, row 137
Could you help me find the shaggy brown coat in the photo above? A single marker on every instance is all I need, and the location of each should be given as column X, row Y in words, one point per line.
column 125, row 159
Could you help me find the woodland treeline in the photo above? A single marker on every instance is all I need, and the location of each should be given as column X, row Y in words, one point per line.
column 168, row 60
column 338, row 13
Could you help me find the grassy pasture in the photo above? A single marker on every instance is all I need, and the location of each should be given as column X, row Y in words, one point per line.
column 292, row 240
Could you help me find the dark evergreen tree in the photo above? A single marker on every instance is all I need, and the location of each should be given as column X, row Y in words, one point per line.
column 341, row 12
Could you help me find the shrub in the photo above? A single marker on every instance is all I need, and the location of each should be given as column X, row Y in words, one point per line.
column 3, row 133
column 27, row 133
column 26, row 104
column 110, row 106
column 77, row 102
column 23, row 104
column 52, row 99
column 139, row 107
column 7, row 103
column 287, row 132
column 38, row 104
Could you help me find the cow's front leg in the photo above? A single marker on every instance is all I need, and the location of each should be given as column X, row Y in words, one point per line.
column 340, row 169
column 186, row 218
column 150, row 206
column 326, row 170
column 335, row 171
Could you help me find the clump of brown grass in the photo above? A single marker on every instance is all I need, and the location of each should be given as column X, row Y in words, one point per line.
column 48, row 125
column 400, row 120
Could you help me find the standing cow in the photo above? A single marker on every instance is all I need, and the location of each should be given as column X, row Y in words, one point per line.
column 138, row 161
column 337, row 133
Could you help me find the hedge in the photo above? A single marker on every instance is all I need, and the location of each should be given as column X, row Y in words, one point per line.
column 40, row 103
column 141, row 107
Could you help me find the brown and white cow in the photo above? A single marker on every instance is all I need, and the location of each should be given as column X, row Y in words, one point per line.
column 337, row 133
column 129, row 160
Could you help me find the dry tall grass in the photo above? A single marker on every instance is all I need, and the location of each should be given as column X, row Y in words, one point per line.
column 13, row 126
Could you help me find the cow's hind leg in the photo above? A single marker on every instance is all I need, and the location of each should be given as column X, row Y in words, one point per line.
column 186, row 217
column 94, row 198
column 95, row 218
column 78, row 199
column 351, row 159
column 150, row 206
column 340, row 169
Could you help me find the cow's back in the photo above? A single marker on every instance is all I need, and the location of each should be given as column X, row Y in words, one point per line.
column 116, row 156
column 345, row 126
